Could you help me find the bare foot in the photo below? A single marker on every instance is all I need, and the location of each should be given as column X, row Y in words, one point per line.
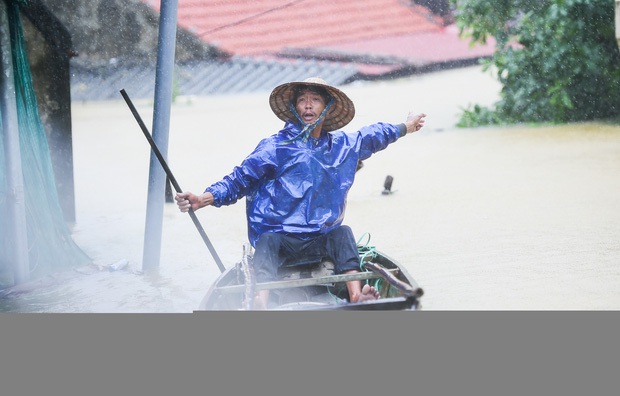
column 261, row 300
column 368, row 293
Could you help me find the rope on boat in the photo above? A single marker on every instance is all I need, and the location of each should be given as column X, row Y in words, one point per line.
column 367, row 253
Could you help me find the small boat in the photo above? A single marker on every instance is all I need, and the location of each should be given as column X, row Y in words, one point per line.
column 312, row 285
column 301, row 285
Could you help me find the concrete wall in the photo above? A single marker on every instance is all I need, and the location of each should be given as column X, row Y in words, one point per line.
column 51, row 80
column 100, row 32
column 127, row 29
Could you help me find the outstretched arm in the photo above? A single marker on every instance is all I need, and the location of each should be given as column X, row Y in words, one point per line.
column 185, row 200
column 414, row 122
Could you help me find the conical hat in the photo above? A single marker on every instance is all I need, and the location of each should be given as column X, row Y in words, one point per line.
column 339, row 115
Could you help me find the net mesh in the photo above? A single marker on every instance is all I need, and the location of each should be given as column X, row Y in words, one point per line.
column 50, row 245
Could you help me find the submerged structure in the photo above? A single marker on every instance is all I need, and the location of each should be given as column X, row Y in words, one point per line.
column 34, row 234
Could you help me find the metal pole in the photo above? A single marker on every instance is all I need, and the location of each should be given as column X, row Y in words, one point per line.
column 17, row 235
column 617, row 9
column 161, row 123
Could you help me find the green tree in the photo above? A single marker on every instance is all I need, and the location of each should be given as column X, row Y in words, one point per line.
column 557, row 60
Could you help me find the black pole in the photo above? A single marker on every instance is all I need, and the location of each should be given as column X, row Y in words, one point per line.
column 169, row 197
column 173, row 180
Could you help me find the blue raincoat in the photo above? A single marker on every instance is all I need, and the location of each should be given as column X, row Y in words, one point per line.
column 298, row 187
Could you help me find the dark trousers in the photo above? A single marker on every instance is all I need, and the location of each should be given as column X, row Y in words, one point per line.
column 273, row 250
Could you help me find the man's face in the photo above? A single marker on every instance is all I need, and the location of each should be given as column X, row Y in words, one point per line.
column 309, row 106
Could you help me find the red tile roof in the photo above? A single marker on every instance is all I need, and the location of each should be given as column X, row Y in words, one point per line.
column 259, row 27
column 443, row 45
column 378, row 36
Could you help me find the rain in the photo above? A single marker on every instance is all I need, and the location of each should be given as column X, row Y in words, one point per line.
column 517, row 217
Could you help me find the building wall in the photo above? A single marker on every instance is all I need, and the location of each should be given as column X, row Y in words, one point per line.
column 100, row 32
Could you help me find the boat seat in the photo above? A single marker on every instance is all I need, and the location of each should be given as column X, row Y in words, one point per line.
column 306, row 267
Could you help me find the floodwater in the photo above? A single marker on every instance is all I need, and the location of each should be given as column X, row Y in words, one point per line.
column 515, row 218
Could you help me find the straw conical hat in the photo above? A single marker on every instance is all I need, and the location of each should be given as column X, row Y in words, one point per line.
column 340, row 114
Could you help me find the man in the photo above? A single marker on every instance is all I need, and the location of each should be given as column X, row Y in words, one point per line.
column 296, row 182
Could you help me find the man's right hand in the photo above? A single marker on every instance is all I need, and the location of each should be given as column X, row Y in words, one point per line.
column 183, row 201
column 187, row 200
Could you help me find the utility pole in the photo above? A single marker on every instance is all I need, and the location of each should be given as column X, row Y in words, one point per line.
column 161, row 124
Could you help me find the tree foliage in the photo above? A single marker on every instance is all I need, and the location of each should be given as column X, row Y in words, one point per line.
column 557, row 60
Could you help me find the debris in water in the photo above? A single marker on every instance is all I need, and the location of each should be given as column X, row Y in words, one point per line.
column 387, row 185
column 119, row 265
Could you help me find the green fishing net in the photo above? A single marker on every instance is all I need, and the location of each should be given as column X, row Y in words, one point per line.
column 50, row 245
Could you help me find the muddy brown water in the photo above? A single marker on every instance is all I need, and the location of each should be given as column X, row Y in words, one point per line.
column 515, row 218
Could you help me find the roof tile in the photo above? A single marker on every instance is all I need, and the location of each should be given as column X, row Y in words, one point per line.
column 268, row 26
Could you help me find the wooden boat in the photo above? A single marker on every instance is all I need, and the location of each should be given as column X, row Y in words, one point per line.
column 312, row 285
